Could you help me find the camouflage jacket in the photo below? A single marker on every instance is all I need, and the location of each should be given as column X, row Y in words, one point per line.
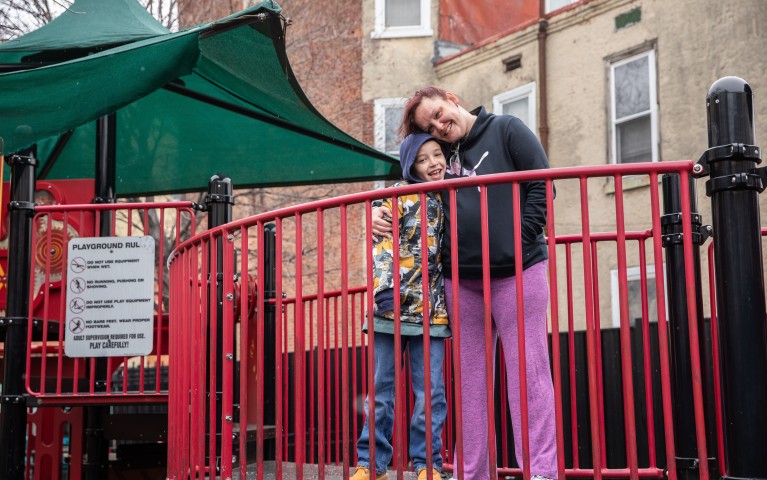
column 410, row 264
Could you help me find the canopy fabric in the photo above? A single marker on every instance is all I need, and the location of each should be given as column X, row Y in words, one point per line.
column 88, row 23
column 216, row 99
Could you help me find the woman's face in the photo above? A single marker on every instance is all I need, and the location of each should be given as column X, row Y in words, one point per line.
column 442, row 118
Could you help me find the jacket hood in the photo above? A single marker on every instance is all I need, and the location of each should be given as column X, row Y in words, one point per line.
column 408, row 151
column 480, row 124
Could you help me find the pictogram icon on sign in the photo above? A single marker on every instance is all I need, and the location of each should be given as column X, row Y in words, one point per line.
column 76, row 325
column 77, row 285
column 77, row 305
column 77, row 265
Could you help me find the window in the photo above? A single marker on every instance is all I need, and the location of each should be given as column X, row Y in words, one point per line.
column 387, row 115
column 552, row 5
column 633, row 275
column 634, row 110
column 519, row 102
column 402, row 18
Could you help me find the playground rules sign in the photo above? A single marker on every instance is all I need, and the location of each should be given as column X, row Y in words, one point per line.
column 110, row 297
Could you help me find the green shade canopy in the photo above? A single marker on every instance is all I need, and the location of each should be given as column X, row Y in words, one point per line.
column 218, row 98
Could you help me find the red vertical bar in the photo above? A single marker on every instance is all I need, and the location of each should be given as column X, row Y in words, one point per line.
column 660, row 295
column 555, row 347
column 328, row 355
column 196, row 330
column 489, row 340
column 692, row 319
column 503, row 408
column 278, row 399
column 30, row 320
column 455, row 327
column 175, row 294
column 337, row 378
column 260, row 355
column 200, row 279
column 447, row 432
column 590, row 332
column 571, row 358
column 46, row 300
column 212, row 341
column 62, row 316
column 321, row 374
column 426, row 310
column 521, row 330
column 715, row 360
column 370, row 371
column 649, row 408
column 159, row 316
column 354, row 392
column 286, row 395
column 629, row 420
column 345, row 336
column 227, row 353
column 243, row 349
column 598, row 357
column 311, row 457
column 298, row 356
column 399, row 394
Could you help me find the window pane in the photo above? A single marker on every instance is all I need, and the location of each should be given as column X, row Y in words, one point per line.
column 635, row 300
column 555, row 4
column 632, row 88
column 635, row 140
column 518, row 108
column 393, row 117
column 403, row 13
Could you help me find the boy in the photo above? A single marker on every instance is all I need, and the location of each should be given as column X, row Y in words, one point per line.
column 422, row 160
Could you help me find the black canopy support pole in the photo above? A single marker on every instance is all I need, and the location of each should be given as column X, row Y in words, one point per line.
column 55, row 154
column 734, row 186
column 219, row 206
column 685, row 440
column 96, row 467
column 13, row 412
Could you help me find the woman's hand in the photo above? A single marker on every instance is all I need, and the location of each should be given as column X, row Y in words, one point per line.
column 381, row 221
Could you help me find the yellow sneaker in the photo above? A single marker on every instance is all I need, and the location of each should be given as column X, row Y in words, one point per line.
column 435, row 475
column 362, row 473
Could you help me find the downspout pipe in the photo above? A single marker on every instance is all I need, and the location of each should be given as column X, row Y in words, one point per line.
column 543, row 104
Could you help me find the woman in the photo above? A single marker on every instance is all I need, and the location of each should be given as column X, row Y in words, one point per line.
column 483, row 143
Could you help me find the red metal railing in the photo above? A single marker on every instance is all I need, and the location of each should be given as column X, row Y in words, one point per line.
column 51, row 376
column 220, row 396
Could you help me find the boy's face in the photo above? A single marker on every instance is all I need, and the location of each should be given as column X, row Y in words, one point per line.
column 429, row 163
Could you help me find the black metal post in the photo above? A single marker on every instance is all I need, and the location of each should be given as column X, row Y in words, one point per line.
column 270, row 322
column 685, row 444
column 734, row 189
column 96, row 465
column 219, row 206
column 13, row 412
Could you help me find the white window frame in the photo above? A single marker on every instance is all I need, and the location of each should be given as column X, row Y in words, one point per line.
column 548, row 5
column 422, row 30
column 650, row 54
column 379, row 120
column 632, row 273
column 525, row 91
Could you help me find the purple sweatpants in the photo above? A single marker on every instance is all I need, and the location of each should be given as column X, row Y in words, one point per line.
column 541, row 420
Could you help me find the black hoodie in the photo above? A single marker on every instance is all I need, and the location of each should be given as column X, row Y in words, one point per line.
column 497, row 144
